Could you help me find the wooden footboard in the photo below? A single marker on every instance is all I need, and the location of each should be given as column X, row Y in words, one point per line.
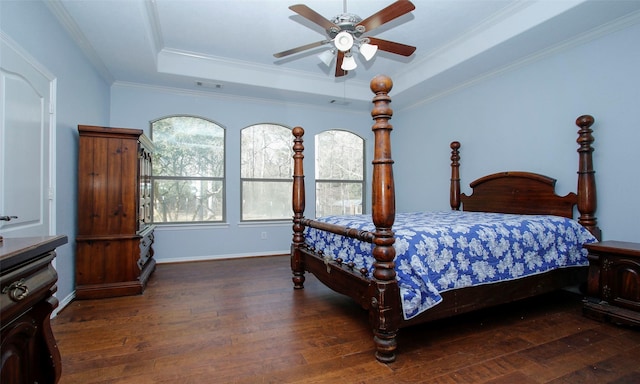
column 378, row 293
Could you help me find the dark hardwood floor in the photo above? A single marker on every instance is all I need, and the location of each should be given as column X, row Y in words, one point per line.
column 240, row 321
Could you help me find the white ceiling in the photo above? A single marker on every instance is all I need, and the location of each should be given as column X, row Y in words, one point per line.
column 228, row 45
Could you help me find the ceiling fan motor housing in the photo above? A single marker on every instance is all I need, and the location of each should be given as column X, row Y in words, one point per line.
column 347, row 22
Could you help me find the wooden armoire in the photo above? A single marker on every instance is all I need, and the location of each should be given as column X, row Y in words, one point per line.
column 114, row 254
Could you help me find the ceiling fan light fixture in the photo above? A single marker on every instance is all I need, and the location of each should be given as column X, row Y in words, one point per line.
column 343, row 41
column 368, row 51
column 349, row 62
column 327, row 57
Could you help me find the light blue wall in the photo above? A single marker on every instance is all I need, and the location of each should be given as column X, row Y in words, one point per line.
column 520, row 120
column 524, row 119
column 82, row 95
column 135, row 107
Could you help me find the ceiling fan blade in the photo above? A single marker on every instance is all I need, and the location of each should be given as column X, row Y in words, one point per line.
column 312, row 15
column 393, row 47
column 339, row 70
column 387, row 14
column 300, row 48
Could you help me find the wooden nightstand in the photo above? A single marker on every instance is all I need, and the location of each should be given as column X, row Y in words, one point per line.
column 28, row 349
column 613, row 285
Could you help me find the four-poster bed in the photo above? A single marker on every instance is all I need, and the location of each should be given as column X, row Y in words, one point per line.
column 361, row 260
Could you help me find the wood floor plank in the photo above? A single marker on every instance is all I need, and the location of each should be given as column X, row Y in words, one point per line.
column 241, row 321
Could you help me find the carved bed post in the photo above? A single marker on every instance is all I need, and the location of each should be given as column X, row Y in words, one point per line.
column 454, row 191
column 586, row 177
column 298, row 204
column 385, row 305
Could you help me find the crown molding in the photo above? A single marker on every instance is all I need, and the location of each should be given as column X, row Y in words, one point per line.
column 62, row 15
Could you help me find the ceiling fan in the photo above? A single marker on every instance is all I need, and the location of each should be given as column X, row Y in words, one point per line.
column 346, row 31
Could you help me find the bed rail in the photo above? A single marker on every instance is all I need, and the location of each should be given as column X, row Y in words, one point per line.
column 353, row 233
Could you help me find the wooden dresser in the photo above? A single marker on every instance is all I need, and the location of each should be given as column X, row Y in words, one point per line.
column 114, row 255
column 613, row 285
column 27, row 284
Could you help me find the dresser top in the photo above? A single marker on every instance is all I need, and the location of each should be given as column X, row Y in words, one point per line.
column 616, row 247
column 17, row 250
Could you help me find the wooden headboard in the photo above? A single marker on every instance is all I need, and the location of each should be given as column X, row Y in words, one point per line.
column 531, row 193
column 518, row 192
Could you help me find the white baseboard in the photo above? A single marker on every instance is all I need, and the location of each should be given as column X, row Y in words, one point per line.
column 63, row 303
column 219, row 257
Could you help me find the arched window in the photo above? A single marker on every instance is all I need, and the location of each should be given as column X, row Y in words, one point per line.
column 265, row 172
column 339, row 173
column 188, row 170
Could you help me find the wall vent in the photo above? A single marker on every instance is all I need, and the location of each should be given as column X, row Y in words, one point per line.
column 205, row 84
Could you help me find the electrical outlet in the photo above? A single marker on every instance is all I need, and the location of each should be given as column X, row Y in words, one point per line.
column 263, row 235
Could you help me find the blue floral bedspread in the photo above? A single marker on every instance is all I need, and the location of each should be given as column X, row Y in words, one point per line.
column 439, row 251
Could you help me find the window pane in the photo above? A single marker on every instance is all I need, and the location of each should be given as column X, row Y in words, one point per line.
column 335, row 198
column 188, row 146
column 339, row 173
column 266, row 152
column 266, row 200
column 178, row 201
column 339, row 156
